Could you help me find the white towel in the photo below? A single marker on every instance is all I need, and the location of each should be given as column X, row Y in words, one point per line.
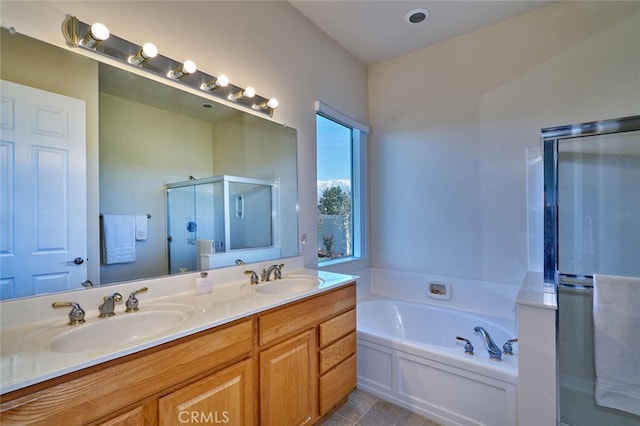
column 204, row 247
column 616, row 320
column 119, row 239
column 142, row 222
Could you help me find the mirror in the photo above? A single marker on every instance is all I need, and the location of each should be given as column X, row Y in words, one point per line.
column 141, row 135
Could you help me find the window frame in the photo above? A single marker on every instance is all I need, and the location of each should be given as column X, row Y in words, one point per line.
column 359, row 178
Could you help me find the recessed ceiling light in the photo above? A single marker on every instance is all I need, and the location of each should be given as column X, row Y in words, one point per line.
column 416, row 16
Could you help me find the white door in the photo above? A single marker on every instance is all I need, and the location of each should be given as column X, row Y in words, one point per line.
column 43, row 220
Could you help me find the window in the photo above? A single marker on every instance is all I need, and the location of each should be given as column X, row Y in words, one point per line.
column 341, row 178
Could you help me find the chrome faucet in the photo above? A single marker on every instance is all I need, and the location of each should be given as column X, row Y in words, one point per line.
column 277, row 272
column 76, row 315
column 132, row 301
column 253, row 278
column 494, row 351
column 468, row 347
column 507, row 348
column 109, row 304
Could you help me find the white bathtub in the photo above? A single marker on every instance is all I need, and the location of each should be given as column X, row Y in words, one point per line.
column 408, row 354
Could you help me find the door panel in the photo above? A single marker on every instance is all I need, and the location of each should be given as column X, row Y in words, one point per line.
column 43, row 191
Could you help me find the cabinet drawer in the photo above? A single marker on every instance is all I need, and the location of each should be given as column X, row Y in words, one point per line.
column 337, row 327
column 305, row 314
column 337, row 352
column 337, row 384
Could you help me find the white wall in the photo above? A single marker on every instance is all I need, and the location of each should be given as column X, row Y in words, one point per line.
column 266, row 44
column 451, row 124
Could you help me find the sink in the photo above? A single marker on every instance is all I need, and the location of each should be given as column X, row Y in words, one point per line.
column 122, row 329
column 290, row 285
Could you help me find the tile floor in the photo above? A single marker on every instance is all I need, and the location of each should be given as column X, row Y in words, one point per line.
column 365, row 409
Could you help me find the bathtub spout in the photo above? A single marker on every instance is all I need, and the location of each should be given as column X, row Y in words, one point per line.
column 494, row 351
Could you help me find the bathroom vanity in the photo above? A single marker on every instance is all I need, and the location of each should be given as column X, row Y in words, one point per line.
column 287, row 364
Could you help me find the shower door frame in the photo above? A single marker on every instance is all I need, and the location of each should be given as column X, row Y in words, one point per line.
column 551, row 138
column 553, row 276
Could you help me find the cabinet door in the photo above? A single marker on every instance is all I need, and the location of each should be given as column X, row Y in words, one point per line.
column 224, row 397
column 288, row 382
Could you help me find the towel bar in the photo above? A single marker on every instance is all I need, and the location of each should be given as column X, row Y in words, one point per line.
column 575, row 281
column 148, row 215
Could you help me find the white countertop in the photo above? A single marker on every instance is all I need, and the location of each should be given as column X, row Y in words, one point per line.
column 23, row 365
column 534, row 292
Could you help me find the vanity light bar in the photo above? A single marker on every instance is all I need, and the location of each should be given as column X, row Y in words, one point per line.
column 97, row 39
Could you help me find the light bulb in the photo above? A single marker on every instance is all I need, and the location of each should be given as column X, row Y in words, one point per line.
column 98, row 33
column 249, row 92
column 189, row 67
column 273, row 103
column 148, row 51
column 222, row 81
column 270, row 104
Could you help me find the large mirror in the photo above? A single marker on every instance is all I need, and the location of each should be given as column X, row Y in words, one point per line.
column 142, row 136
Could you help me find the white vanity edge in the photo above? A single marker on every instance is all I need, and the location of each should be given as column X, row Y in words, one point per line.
column 20, row 369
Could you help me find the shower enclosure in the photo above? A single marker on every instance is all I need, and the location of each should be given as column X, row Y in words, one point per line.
column 212, row 222
column 592, row 226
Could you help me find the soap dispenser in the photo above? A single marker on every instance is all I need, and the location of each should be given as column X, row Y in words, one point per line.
column 204, row 284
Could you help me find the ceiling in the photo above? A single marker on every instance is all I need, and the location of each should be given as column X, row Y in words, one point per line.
column 375, row 31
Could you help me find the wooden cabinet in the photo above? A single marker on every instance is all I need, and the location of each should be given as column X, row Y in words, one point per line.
column 322, row 327
column 289, row 365
column 305, row 314
column 337, row 365
column 95, row 393
column 224, row 397
column 133, row 417
column 336, row 384
column 287, row 382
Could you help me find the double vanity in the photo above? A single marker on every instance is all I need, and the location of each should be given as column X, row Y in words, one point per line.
column 280, row 352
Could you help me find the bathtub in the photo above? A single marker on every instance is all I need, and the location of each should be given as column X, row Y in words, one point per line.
column 408, row 354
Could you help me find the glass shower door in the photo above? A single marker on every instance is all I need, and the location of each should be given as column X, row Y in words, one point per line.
column 598, row 232
column 195, row 220
column 182, row 225
column 599, row 205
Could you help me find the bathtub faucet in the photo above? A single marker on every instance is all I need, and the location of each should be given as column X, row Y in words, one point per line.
column 494, row 351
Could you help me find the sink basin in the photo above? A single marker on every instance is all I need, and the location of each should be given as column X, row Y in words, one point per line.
column 122, row 329
column 290, row 285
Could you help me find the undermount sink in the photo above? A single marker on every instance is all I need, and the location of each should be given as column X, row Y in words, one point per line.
column 290, row 285
column 121, row 329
